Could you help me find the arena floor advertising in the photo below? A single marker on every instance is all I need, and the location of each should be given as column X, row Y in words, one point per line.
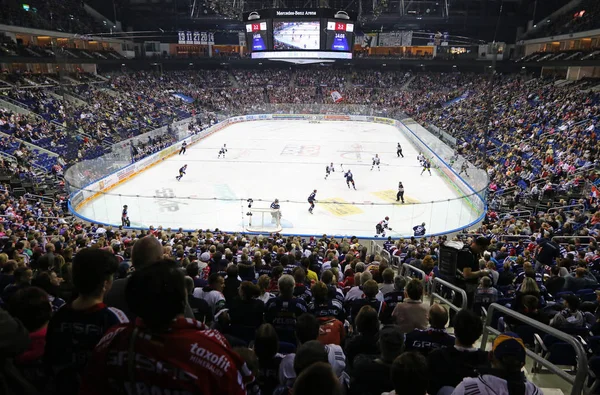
column 287, row 160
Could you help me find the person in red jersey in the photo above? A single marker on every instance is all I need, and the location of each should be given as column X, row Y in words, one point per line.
column 163, row 352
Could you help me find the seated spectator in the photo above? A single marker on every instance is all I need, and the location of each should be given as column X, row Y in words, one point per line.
column 7, row 276
column 410, row 375
column 263, row 285
column 308, row 354
column 506, row 276
column 68, row 348
column 528, row 287
column 200, row 307
column 317, row 379
column 266, row 347
column 449, row 366
column 157, row 296
column 570, row 316
column 213, row 294
column 22, row 279
column 365, row 338
column 372, row 376
column 301, row 290
column 307, row 330
column 388, row 282
column 246, row 315
column 283, row 311
column 330, row 314
column 32, row 307
column 485, row 294
column 581, row 280
column 232, row 284
column 506, row 377
column 556, row 282
column 356, row 292
column 412, row 313
column 370, row 290
column 392, row 298
column 14, row 341
column 530, row 308
column 434, row 337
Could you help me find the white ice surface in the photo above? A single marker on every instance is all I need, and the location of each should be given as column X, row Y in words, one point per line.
column 291, row 36
column 286, row 160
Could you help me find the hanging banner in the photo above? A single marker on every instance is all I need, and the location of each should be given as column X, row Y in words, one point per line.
column 242, row 39
column 211, row 38
column 196, row 37
column 336, row 96
column 203, row 38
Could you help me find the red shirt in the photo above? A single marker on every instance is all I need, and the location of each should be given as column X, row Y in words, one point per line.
column 187, row 358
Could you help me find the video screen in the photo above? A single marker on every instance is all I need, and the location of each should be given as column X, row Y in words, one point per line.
column 340, row 36
column 256, row 36
column 296, row 35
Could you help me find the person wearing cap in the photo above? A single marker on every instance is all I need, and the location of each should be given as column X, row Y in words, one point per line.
column 506, row 376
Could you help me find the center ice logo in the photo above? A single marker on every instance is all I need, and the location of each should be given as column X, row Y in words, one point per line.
column 165, row 199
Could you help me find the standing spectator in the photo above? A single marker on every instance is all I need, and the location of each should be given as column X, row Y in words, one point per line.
column 449, row 366
column 373, row 376
column 157, row 296
column 412, row 313
column 283, row 311
column 410, row 375
column 435, row 336
column 546, row 252
column 508, row 358
column 76, row 328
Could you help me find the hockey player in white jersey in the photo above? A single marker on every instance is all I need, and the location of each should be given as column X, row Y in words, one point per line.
column 222, row 151
column 420, row 157
column 329, row 169
column 382, row 226
column 376, row 162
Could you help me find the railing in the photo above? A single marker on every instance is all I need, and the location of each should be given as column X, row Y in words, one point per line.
column 570, row 208
column 582, row 364
column 517, row 214
column 433, row 294
column 585, row 240
column 406, row 268
column 30, row 196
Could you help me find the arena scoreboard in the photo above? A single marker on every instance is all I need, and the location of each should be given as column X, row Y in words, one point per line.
column 286, row 34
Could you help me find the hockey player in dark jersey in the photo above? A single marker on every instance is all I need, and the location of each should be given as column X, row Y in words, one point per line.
column 419, row 229
column 400, row 194
column 329, row 169
column 222, row 151
column 426, row 166
column 183, row 146
column 382, row 226
column 399, row 151
column 312, row 200
column 376, row 162
column 274, row 215
column 349, row 179
column 463, row 168
column 125, row 217
column 181, row 172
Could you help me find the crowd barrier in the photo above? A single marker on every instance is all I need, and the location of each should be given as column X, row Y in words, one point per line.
column 110, row 171
column 438, row 282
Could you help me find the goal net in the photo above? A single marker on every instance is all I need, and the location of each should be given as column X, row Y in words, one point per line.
column 263, row 220
column 314, row 119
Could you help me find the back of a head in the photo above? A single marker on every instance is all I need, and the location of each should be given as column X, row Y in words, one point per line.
column 320, row 292
column 286, row 285
column 32, row 307
column 486, row 282
column 307, row 328
column 438, row 316
column 145, row 251
column 467, row 327
column 309, row 353
column 364, row 277
column 573, row 302
column 189, row 285
column 367, row 321
column 266, row 342
column 91, row 268
column 399, row 283
column 317, row 379
column 414, row 289
column 388, row 276
column 156, row 294
column 371, row 289
column 391, row 342
column 410, row 374
column 530, row 302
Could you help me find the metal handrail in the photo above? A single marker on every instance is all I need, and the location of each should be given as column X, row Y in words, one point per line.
column 581, row 238
column 554, row 209
column 410, row 268
column 386, row 254
column 578, row 381
column 30, row 195
column 517, row 214
column 453, row 287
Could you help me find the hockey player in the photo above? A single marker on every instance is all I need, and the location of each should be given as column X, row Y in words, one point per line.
column 329, row 169
column 399, row 151
column 382, row 226
column 181, row 172
column 275, row 206
column 376, row 162
column 222, row 151
column 419, row 229
column 426, row 166
column 420, row 157
column 182, row 150
column 312, row 200
column 349, row 179
column 125, row 217
column 400, row 194
column 463, row 168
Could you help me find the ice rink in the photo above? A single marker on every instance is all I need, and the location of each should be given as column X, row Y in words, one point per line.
column 286, row 160
column 301, row 35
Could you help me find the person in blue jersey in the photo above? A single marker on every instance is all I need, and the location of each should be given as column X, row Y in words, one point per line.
column 312, row 200
column 275, row 214
column 283, row 311
column 399, row 150
column 419, row 230
column 181, row 172
column 426, row 166
column 434, row 337
column 324, row 306
column 349, row 179
column 125, row 217
column 77, row 327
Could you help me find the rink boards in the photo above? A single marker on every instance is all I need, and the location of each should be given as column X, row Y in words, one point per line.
column 81, row 200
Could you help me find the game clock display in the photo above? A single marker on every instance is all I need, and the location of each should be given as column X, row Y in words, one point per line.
column 339, row 36
column 257, row 36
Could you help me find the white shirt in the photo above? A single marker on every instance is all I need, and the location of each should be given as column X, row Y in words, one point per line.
column 490, row 385
column 357, row 293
